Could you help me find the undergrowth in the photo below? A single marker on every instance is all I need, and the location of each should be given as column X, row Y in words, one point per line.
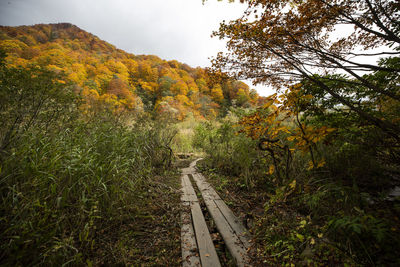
column 337, row 214
column 82, row 189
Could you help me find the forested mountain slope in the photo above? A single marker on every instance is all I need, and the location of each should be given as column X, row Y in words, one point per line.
column 101, row 72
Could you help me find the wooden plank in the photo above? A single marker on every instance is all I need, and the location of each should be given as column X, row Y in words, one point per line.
column 208, row 255
column 232, row 231
column 197, row 246
column 232, row 241
column 205, row 186
column 191, row 168
column 234, row 222
column 189, row 187
column 187, row 170
column 209, row 193
column 193, row 164
column 188, row 193
column 190, row 256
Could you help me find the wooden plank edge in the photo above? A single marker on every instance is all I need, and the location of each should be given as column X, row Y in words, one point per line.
column 232, row 241
column 190, row 256
column 234, row 222
column 188, row 193
column 205, row 186
column 208, row 254
column 209, row 193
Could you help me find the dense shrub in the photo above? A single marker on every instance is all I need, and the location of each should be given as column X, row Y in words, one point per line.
column 335, row 213
column 230, row 153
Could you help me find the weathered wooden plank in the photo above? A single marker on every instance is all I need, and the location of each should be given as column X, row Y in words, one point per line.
column 232, row 231
column 232, row 241
column 188, row 193
column 191, row 168
column 190, row 256
column 209, row 193
column 234, row 222
column 204, row 186
column 193, row 164
column 187, row 170
column 197, row 245
column 189, row 187
column 208, row 255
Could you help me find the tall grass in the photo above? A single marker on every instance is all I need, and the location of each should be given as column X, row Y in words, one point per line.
column 59, row 192
column 185, row 132
column 230, row 153
column 75, row 190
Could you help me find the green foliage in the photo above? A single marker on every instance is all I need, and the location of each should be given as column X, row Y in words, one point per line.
column 292, row 239
column 31, row 98
column 369, row 237
column 333, row 139
column 61, row 191
column 344, row 201
column 74, row 189
column 228, row 152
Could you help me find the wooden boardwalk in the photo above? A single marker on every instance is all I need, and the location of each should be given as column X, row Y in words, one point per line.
column 197, row 246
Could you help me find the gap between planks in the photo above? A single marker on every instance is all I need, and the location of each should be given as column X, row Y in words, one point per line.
column 232, row 231
column 197, row 246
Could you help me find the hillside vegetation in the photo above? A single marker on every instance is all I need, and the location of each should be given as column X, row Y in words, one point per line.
column 124, row 81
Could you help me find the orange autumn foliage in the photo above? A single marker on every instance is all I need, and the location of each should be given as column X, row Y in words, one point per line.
column 107, row 74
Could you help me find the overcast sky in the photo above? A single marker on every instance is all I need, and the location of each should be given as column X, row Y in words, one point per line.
column 170, row 29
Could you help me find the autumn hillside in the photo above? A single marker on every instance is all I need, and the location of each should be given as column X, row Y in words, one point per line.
column 104, row 73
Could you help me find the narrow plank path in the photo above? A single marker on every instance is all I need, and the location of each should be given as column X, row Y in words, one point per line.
column 195, row 235
column 197, row 246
